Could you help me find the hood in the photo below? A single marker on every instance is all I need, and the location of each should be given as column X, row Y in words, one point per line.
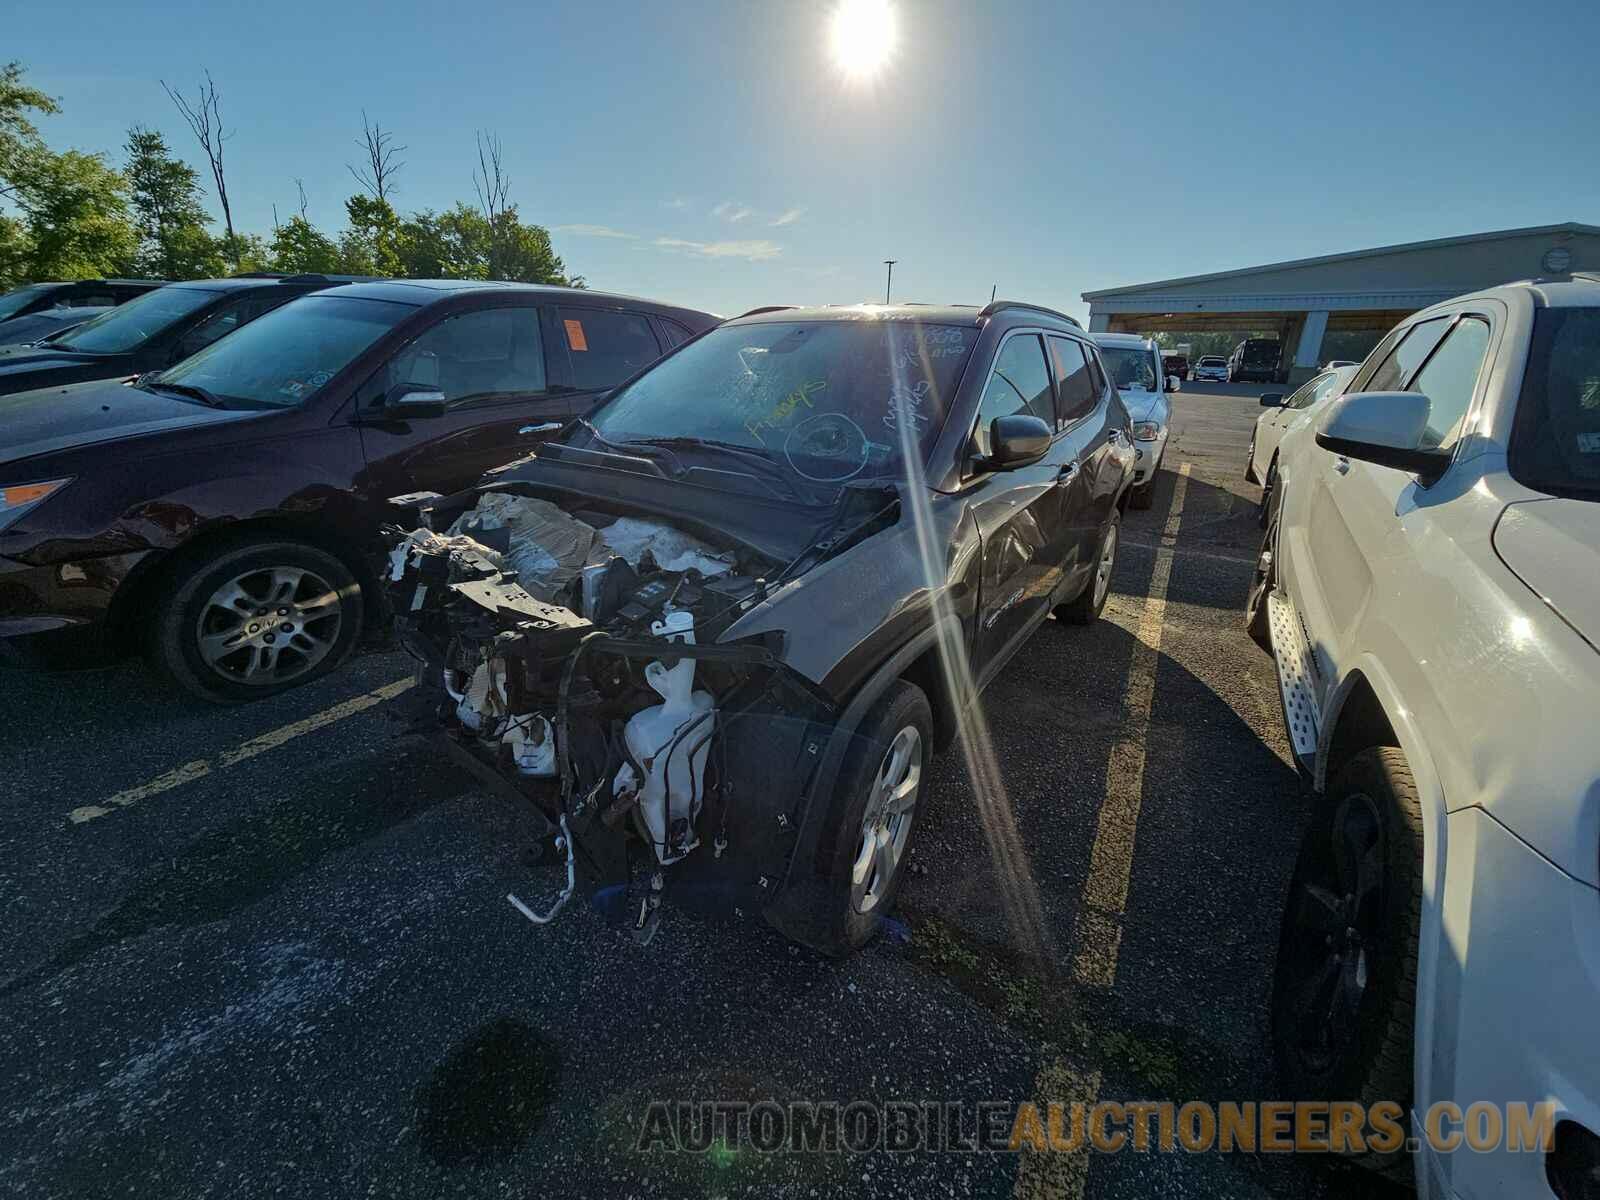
column 25, row 367
column 1139, row 404
column 67, row 418
column 1553, row 546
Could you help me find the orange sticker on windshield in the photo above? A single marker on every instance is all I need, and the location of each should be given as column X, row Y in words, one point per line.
column 575, row 337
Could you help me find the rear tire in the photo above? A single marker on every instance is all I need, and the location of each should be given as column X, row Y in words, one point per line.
column 1345, row 984
column 1086, row 608
column 252, row 619
column 1268, row 485
column 874, row 809
column 1257, row 622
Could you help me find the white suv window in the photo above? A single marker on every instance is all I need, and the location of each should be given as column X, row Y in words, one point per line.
column 1449, row 379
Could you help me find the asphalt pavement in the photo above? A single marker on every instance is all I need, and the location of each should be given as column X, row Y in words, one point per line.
column 266, row 951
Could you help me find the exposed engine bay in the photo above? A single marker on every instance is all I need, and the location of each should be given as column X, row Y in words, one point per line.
column 571, row 656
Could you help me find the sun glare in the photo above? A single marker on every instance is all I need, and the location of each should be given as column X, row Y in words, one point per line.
column 862, row 35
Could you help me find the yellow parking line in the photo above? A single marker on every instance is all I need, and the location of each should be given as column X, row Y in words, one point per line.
column 202, row 767
column 1105, row 892
column 1098, row 938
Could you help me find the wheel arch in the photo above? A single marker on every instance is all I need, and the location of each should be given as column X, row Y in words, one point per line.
column 143, row 587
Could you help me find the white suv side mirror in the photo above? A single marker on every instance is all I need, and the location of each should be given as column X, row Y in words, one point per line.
column 1384, row 428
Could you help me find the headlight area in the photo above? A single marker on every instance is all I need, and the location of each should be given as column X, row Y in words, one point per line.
column 18, row 499
column 1146, row 431
column 572, row 658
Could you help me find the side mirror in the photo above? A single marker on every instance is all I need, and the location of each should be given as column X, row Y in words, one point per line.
column 1271, row 399
column 1384, row 428
column 1174, row 384
column 410, row 401
column 1016, row 441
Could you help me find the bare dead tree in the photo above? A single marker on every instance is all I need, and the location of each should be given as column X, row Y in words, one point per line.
column 301, row 185
column 489, row 180
column 205, row 120
column 377, row 176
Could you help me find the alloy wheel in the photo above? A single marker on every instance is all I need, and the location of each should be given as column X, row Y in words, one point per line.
column 269, row 626
column 1107, row 563
column 886, row 821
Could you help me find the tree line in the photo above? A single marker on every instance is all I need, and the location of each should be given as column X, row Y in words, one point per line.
column 74, row 214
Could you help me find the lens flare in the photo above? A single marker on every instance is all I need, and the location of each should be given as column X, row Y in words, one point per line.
column 1013, row 871
column 862, row 35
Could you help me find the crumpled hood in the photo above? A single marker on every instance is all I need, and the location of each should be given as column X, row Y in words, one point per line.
column 1553, row 546
column 65, row 418
column 1139, row 404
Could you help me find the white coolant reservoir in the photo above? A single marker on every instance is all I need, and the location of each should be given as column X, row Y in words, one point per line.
column 670, row 742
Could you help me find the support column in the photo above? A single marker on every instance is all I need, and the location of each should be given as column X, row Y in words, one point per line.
column 1309, row 351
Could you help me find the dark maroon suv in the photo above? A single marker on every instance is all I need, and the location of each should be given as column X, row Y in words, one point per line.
column 220, row 512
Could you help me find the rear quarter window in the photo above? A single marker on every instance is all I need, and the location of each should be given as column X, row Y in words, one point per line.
column 1555, row 437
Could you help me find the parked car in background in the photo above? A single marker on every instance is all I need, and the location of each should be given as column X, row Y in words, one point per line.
column 1254, row 360
column 219, row 512
column 1174, row 363
column 1212, row 368
column 153, row 331
column 98, row 293
column 1261, row 463
column 836, row 566
column 1427, row 587
column 1134, row 364
column 21, row 331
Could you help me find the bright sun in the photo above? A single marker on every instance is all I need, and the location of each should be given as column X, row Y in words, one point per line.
column 862, row 35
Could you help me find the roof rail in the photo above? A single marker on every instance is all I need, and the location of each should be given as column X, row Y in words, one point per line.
column 257, row 275
column 766, row 308
column 322, row 277
column 995, row 306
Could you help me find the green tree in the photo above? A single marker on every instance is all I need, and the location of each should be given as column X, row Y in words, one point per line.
column 165, row 193
column 74, row 215
column 18, row 134
column 299, row 247
column 462, row 243
column 371, row 243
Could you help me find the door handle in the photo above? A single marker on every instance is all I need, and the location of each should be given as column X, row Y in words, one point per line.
column 1342, row 465
column 1068, row 473
column 546, row 427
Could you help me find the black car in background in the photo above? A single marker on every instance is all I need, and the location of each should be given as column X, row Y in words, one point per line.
column 815, row 533
column 220, row 512
column 153, row 331
column 1254, row 360
column 99, row 293
column 36, row 326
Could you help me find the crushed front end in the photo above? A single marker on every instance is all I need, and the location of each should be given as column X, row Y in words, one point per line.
column 572, row 661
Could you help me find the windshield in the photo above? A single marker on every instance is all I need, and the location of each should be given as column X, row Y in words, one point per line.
column 1212, row 360
column 13, row 302
column 283, row 358
column 1131, row 368
column 130, row 325
column 1555, row 443
column 827, row 400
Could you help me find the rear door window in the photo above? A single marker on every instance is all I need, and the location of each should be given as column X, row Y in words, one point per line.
column 606, row 347
column 1019, row 383
column 1449, row 380
column 1555, row 442
column 1075, row 386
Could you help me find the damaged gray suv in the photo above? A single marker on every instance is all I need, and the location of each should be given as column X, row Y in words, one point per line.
column 710, row 634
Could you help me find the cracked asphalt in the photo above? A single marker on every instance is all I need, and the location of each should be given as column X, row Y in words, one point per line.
column 294, row 973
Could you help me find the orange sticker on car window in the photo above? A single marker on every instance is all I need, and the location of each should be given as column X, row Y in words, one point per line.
column 575, row 337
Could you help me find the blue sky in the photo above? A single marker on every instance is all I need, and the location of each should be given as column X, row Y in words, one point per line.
column 1049, row 148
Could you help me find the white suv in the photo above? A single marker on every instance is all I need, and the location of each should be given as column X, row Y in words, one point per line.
column 1134, row 364
column 1430, row 587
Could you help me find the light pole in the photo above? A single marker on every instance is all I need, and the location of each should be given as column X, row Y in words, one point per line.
column 888, row 283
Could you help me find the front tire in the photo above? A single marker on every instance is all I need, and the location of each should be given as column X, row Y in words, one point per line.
column 255, row 618
column 1268, row 486
column 1086, row 608
column 874, row 810
column 1344, row 988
